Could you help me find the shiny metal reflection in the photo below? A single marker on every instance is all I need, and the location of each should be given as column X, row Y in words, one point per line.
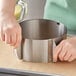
column 40, row 36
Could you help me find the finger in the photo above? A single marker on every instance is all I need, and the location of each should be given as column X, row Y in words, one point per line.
column 62, row 53
column 67, row 56
column 13, row 39
column 7, row 37
column 2, row 36
column 18, row 40
column 71, row 58
column 57, row 51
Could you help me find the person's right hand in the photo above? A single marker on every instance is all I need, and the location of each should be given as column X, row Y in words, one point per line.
column 10, row 30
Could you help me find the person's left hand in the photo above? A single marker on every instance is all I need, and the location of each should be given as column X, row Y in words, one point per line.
column 65, row 51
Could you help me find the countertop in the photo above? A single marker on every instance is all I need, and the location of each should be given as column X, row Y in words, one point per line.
column 8, row 59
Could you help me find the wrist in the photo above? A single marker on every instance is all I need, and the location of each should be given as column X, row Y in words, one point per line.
column 6, row 15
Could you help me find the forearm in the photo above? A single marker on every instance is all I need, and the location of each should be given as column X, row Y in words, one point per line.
column 7, row 7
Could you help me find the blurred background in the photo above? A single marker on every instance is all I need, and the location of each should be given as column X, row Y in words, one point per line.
column 29, row 9
column 35, row 9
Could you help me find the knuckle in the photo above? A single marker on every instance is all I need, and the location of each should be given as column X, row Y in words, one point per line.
column 7, row 30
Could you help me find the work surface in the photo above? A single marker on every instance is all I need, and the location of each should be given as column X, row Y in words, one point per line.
column 8, row 59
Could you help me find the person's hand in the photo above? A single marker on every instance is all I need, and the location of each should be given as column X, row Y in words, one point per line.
column 10, row 30
column 65, row 51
